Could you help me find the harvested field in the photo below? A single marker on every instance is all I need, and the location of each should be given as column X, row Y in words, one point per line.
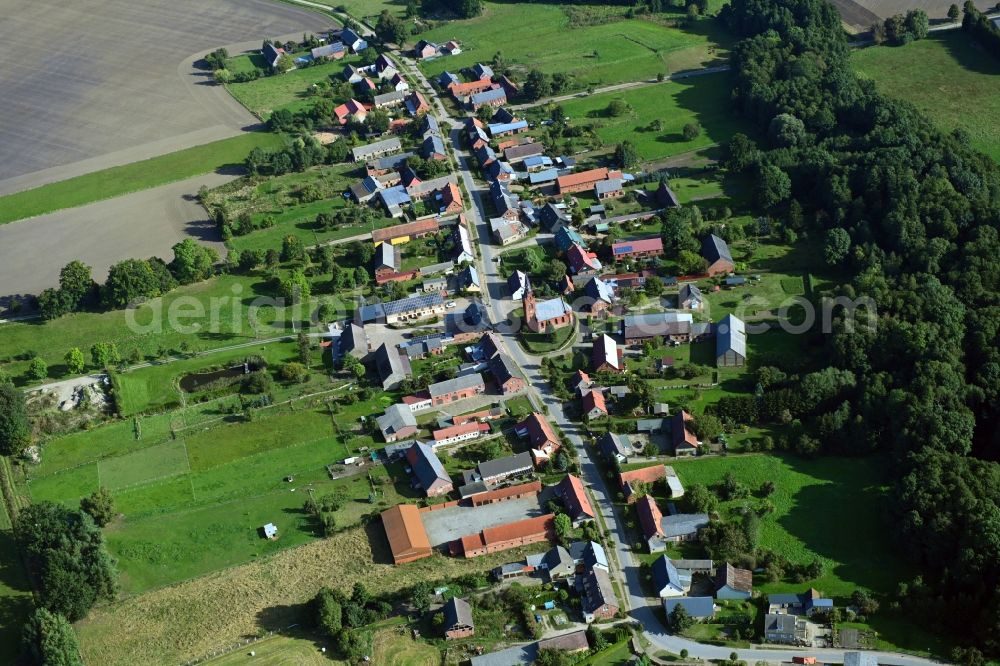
column 144, row 224
column 186, row 621
column 142, row 92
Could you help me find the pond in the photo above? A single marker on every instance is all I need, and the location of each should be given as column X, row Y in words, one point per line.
column 197, row 381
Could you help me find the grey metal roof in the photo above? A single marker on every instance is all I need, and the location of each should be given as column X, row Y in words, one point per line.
column 488, row 96
column 354, row 340
column 389, row 97
column 396, row 418
column 507, row 465
column 599, row 290
column 457, row 612
column 714, row 248
column 779, row 622
column 522, row 654
column 504, row 368
column 656, row 323
column 731, row 335
column 598, row 589
column 426, row 465
column 689, row 290
column 482, row 71
column 456, row 384
column 502, row 115
column 613, row 442
column 665, row 573
column 390, row 366
column 695, row 606
column 557, row 557
column 386, row 256
column 606, row 186
column 683, row 524
column 388, row 145
column 432, row 145
column 391, row 161
column 552, row 308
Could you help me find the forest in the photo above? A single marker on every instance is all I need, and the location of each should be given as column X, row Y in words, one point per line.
column 921, row 210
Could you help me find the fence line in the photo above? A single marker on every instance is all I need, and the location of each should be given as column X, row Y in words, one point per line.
column 233, row 647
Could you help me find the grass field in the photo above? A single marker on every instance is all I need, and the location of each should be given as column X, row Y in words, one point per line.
column 831, row 509
column 613, row 50
column 113, row 182
column 947, row 77
column 391, row 648
column 281, row 651
column 284, row 91
column 703, row 99
column 187, row 621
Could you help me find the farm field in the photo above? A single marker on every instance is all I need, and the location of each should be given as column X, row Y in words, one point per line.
column 286, row 91
column 598, row 46
column 811, row 500
column 280, row 650
column 186, row 621
column 702, row 99
column 946, row 76
column 227, row 154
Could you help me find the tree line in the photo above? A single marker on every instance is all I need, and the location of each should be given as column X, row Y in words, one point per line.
column 921, row 211
column 982, row 29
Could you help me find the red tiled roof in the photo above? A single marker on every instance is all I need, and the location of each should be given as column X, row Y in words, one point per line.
column 649, row 516
column 575, row 497
column 533, row 487
column 645, row 474
column 464, row 429
column 419, row 227
column 640, row 245
column 591, row 176
column 415, row 398
column 451, row 193
column 518, row 529
column 405, row 531
column 592, row 399
column 579, row 259
column 539, row 431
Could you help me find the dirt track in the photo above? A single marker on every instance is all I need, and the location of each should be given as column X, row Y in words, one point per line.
column 139, row 225
column 96, row 83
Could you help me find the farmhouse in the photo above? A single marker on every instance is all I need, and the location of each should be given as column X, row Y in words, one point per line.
column 386, row 165
column 334, row 51
column 540, row 435
column 733, row 583
column 397, row 423
column 407, row 538
column 428, row 470
column 506, row 374
column 352, row 109
column 538, row 164
column 457, row 619
column 784, row 629
column 616, row 446
column 630, row 479
column 405, row 309
column 716, row 253
column 609, row 189
column 683, row 526
column 482, row 72
column 689, row 297
column 387, row 260
column 685, row 442
column 353, row 40
column 506, row 231
column 589, row 555
column 552, row 217
column 433, row 149
column 667, row 580
column 377, row 149
column 730, row 342
column 557, row 564
column 601, row 294
column 549, row 315
column 354, row 341
column 402, row 233
column 523, row 151
column 424, row 49
column 455, row 389
column 416, row 103
column 674, row 326
column 581, row 262
column 607, row 356
column 599, row 600
column 462, row 91
column 394, row 98
column 505, row 537
column 574, row 498
column 495, row 96
column 593, row 405
column 272, row 54
column 391, row 367
column 494, row 472
column 460, row 433
column 584, row 180
column 805, row 603
column 637, row 249
column 507, row 129
column 651, row 521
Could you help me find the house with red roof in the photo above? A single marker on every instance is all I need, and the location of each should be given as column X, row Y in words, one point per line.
column 593, row 404
column 505, row 537
column 685, row 442
column 642, row 248
column 581, row 261
column 351, row 109
column 540, row 435
column 574, row 498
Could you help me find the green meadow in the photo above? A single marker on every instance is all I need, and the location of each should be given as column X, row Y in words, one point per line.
column 594, row 45
column 948, row 77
